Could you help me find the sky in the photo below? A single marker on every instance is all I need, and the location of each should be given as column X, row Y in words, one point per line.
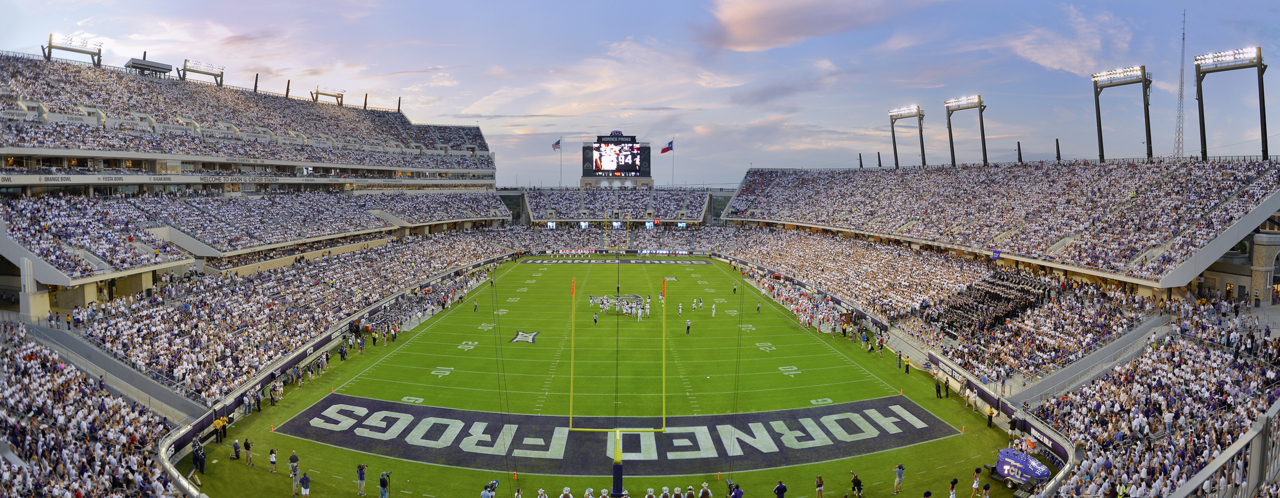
column 734, row 83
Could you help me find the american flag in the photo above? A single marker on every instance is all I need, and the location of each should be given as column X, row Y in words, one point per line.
column 555, row 146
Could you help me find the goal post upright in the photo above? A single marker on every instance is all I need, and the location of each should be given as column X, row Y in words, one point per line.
column 616, row 431
column 573, row 320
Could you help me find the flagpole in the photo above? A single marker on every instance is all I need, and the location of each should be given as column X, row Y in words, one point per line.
column 561, row 142
column 673, row 162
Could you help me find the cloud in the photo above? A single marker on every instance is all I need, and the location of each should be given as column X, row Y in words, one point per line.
column 247, row 40
column 758, row 25
column 899, row 41
column 1092, row 44
column 429, row 70
column 498, row 72
column 492, row 102
column 827, row 73
column 625, row 76
column 772, row 92
column 439, row 79
column 502, row 116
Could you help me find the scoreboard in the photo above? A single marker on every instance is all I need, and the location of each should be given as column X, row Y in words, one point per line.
column 615, row 155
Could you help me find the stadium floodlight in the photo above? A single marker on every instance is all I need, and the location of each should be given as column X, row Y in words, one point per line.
column 960, row 104
column 1122, row 77
column 1227, row 61
column 77, row 45
column 190, row 66
column 324, row 91
column 903, row 113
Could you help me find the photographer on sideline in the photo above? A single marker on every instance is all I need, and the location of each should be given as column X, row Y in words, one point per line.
column 384, row 484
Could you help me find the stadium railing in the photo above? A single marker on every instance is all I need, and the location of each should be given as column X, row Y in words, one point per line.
column 1123, row 355
column 179, row 439
column 1058, row 448
column 1260, row 445
column 93, row 370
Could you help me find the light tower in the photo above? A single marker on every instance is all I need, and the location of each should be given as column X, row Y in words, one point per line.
column 1182, row 73
column 1122, row 77
column 328, row 92
column 190, row 66
column 960, row 104
column 69, row 44
column 1228, row 61
column 903, row 113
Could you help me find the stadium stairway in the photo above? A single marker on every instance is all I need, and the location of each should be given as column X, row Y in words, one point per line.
column 93, row 259
column 43, row 272
column 1101, row 360
column 1199, row 261
column 1156, row 250
column 188, row 243
column 126, row 380
column 1084, row 369
column 390, row 218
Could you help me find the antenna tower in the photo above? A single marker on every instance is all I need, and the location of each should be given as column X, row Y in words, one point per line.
column 1177, row 134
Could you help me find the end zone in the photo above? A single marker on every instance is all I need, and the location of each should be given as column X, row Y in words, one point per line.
column 542, row 444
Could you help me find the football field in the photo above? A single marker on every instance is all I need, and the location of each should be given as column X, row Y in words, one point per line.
column 485, row 389
column 474, row 357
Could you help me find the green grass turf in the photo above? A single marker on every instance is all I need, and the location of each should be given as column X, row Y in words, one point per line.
column 616, row 360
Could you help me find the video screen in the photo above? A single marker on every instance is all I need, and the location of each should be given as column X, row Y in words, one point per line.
column 616, row 157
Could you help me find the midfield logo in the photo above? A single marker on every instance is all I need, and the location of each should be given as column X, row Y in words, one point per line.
column 528, row 337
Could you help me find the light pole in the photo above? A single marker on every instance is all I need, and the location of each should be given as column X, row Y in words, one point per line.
column 903, row 113
column 1227, row 61
column 1121, row 77
column 960, row 104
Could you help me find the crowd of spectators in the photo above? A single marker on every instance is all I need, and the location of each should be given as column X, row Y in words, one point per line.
column 624, row 203
column 341, row 133
column 109, row 228
column 811, row 309
column 417, row 208
column 888, row 280
column 210, row 334
column 1153, row 422
column 1114, row 217
column 80, row 136
column 1002, row 321
column 113, row 229
column 1078, row 318
column 230, row 262
column 1160, row 211
column 76, row 438
column 419, row 304
column 1001, row 295
column 241, row 222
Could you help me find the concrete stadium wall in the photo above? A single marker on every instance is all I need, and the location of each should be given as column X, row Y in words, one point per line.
column 280, row 262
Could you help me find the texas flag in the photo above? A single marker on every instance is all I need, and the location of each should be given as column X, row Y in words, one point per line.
column 670, row 147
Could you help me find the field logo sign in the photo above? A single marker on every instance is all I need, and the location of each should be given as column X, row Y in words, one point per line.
column 543, row 444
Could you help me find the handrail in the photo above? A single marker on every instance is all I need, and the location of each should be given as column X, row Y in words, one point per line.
column 1058, row 445
column 89, row 367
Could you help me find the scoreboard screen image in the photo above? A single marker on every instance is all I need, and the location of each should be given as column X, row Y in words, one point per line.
column 615, row 155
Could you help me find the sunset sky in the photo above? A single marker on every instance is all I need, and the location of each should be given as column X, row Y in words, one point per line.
column 798, row 83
